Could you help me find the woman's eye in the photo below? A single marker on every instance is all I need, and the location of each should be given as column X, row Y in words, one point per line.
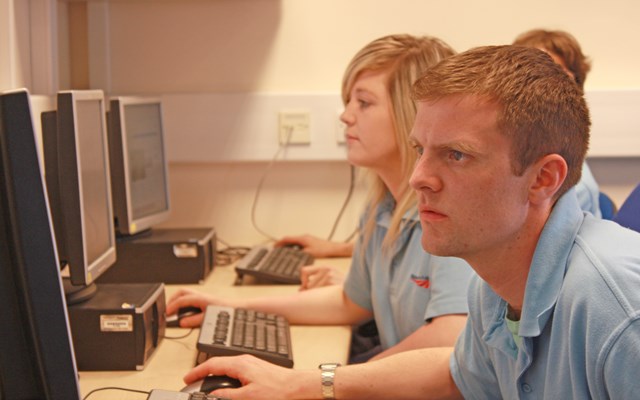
column 363, row 103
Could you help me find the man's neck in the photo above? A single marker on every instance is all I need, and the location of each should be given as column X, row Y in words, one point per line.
column 513, row 314
column 507, row 276
column 506, row 268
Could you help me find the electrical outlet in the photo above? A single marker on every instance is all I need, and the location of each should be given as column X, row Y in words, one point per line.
column 294, row 127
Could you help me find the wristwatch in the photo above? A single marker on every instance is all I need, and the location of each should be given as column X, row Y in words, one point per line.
column 327, row 375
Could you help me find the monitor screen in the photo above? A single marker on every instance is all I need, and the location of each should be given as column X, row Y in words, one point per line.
column 36, row 354
column 138, row 164
column 85, row 185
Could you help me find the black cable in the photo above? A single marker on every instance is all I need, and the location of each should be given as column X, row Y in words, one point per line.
column 344, row 205
column 263, row 178
column 179, row 337
column 115, row 388
column 352, row 235
column 281, row 147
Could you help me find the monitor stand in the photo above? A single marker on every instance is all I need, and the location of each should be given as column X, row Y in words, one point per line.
column 76, row 294
column 139, row 235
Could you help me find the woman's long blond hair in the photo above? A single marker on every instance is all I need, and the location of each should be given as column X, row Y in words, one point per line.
column 404, row 58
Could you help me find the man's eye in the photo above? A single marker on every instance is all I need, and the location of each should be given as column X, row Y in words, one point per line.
column 457, row 155
column 419, row 149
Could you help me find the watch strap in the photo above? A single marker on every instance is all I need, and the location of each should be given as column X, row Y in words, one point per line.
column 327, row 376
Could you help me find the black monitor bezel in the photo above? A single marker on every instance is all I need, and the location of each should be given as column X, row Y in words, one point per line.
column 36, row 351
column 81, row 273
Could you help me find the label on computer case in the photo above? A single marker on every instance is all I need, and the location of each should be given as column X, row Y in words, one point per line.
column 185, row 250
column 116, row 323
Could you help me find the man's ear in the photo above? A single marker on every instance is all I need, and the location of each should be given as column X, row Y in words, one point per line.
column 549, row 175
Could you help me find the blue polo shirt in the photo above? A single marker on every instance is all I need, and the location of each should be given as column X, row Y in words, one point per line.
column 580, row 322
column 406, row 287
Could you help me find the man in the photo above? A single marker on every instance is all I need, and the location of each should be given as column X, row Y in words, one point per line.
column 555, row 313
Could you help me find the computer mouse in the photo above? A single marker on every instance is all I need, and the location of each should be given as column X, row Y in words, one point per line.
column 173, row 321
column 211, row 383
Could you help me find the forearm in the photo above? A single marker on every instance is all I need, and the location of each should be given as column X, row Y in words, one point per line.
column 321, row 306
column 440, row 332
column 417, row 374
column 343, row 249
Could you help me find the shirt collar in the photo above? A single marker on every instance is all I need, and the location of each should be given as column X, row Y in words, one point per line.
column 549, row 264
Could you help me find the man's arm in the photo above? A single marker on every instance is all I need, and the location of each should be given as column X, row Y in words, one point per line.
column 440, row 332
column 416, row 374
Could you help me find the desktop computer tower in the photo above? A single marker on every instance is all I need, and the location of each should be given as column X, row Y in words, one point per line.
column 177, row 255
column 118, row 328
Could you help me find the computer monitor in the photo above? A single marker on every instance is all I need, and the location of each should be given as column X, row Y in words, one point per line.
column 138, row 164
column 49, row 121
column 36, row 354
column 84, row 189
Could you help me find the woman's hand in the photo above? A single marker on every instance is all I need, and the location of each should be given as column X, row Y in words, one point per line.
column 319, row 248
column 190, row 298
column 314, row 276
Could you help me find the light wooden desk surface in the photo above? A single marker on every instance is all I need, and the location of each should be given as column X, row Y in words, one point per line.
column 311, row 345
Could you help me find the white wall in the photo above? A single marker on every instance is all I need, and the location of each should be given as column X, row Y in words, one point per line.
column 5, row 48
column 296, row 198
column 14, row 45
column 304, row 45
column 285, row 47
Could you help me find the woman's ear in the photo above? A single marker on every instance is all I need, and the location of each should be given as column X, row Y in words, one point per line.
column 550, row 172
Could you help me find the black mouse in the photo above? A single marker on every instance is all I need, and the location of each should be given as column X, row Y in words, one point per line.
column 211, row 383
column 173, row 321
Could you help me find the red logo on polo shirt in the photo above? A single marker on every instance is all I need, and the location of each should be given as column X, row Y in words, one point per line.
column 422, row 281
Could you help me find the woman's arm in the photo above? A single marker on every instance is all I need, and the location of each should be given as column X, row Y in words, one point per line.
column 440, row 332
column 323, row 306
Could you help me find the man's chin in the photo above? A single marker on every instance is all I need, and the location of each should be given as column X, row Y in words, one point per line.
column 430, row 245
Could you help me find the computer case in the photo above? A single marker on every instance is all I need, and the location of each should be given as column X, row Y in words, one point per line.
column 175, row 255
column 118, row 328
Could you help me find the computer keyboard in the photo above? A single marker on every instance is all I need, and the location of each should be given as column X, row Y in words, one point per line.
column 277, row 264
column 228, row 331
column 159, row 394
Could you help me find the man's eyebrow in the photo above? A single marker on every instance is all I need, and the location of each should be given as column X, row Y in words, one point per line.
column 462, row 146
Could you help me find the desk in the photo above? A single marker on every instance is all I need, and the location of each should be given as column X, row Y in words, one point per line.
column 311, row 345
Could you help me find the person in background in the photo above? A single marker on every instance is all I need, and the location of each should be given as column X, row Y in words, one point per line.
column 417, row 300
column 565, row 50
column 554, row 310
